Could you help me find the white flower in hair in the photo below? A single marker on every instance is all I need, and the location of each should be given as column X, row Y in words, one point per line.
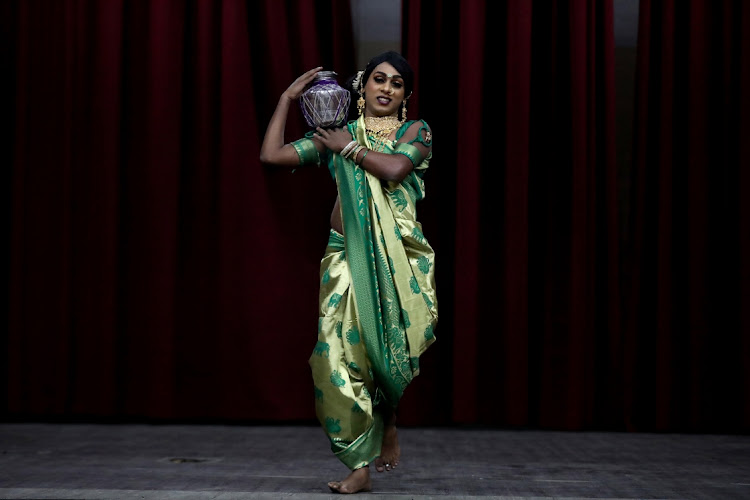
column 357, row 80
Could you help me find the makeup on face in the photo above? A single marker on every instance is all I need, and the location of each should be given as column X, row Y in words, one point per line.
column 381, row 77
column 386, row 88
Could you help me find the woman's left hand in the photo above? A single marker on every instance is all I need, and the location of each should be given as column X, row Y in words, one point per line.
column 334, row 139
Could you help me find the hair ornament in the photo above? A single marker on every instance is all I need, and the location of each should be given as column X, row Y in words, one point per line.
column 357, row 80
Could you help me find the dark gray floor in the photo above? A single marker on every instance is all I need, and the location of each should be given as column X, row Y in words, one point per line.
column 87, row 461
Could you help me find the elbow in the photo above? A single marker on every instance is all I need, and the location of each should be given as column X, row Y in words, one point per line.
column 266, row 158
column 401, row 172
column 397, row 178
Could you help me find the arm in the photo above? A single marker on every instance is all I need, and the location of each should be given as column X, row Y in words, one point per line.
column 273, row 150
column 384, row 166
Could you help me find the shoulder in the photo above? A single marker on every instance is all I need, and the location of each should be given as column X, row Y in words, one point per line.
column 415, row 131
column 415, row 125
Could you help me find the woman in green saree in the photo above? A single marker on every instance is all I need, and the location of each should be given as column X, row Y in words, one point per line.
column 378, row 307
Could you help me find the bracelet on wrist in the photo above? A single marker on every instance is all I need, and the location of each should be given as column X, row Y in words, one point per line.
column 348, row 149
column 354, row 152
column 363, row 157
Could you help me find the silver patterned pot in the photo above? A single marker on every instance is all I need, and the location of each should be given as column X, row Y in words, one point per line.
column 325, row 103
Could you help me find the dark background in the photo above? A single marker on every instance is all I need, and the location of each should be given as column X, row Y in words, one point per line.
column 590, row 275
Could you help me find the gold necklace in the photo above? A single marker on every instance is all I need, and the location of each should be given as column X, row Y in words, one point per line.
column 381, row 127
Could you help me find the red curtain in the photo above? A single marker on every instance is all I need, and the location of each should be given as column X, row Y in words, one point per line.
column 688, row 328
column 520, row 96
column 157, row 269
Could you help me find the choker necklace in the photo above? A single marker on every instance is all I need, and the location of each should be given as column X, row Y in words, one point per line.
column 380, row 128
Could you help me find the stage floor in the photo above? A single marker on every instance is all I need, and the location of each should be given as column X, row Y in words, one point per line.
column 192, row 462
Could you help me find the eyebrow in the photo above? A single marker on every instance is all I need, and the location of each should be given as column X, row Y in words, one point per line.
column 395, row 75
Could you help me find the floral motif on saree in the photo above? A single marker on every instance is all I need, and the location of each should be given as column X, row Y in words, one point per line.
column 377, row 287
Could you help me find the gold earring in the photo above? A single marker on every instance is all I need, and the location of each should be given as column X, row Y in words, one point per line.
column 403, row 111
column 361, row 100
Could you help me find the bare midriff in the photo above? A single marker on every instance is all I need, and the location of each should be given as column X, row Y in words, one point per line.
column 336, row 223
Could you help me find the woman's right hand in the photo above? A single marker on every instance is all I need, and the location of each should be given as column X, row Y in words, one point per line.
column 299, row 85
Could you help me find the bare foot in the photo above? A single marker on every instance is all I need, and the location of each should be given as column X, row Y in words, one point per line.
column 390, row 452
column 358, row 480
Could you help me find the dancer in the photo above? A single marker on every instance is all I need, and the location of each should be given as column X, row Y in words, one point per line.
column 378, row 306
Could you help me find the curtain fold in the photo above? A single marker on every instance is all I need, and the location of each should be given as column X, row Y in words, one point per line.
column 522, row 94
column 687, row 331
column 157, row 270
column 154, row 262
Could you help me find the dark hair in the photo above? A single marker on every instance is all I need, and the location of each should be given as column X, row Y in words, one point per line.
column 394, row 59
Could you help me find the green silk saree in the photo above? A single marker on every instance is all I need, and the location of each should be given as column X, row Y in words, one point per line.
column 378, row 307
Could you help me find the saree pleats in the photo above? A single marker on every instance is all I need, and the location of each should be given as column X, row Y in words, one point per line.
column 344, row 385
column 378, row 307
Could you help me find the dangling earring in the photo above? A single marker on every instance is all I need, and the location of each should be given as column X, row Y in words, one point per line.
column 403, row 111
column 361, row 100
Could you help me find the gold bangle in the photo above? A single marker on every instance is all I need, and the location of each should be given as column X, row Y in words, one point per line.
column 354, row 152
